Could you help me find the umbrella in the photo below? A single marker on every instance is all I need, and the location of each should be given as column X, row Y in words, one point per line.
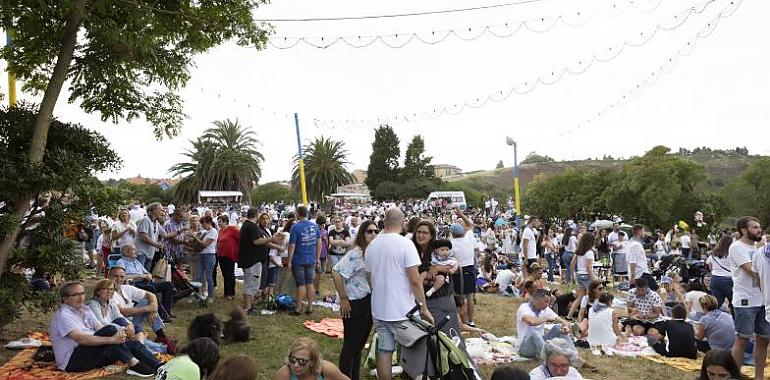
column 500, row 221
column 602, row 224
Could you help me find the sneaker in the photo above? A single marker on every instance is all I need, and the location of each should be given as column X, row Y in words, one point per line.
column 471, row 324
column 140, row 370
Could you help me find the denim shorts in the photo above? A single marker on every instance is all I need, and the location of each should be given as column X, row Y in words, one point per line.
column 303, row 274
column 583, row 280
column 750, row 321
column 386, row 335
column 272, row 275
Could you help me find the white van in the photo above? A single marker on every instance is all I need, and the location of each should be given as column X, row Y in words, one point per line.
column 454, row 198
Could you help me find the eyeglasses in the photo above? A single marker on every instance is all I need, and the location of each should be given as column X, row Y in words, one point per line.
column 561, row 367
column 75, row 294
column 371, row 231
column 300, row 361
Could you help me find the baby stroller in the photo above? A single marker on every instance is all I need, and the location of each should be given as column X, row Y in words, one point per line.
column 184, row 288
column 427, row 353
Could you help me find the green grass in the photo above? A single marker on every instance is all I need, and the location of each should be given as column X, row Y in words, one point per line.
column 271, row 336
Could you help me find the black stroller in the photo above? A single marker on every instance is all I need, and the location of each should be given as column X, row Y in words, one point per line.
column 427, row 353
column 182, row 287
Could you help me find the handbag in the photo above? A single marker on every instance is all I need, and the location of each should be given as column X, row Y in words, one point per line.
column 408, row 333
column 159, row 271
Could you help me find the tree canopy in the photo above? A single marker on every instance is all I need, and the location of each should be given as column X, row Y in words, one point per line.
column 225, row 157
column 326, row 162
column 384, row 160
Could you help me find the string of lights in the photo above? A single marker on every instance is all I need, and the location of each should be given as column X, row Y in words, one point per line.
column 549, row 79
column 504, row 30
column 648, row 81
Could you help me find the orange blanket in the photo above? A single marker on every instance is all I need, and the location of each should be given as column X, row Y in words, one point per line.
column 327, row 326
column 22, row 367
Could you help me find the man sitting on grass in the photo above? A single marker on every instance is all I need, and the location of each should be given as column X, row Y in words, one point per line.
column 530, row 320
column 138, row 304
column 81, row 343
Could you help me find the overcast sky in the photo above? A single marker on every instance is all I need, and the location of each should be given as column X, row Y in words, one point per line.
column 716, row 97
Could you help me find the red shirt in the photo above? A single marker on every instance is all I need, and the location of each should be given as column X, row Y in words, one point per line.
column 227, row 243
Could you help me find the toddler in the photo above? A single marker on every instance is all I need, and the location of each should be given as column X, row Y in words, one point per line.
column 441, row 257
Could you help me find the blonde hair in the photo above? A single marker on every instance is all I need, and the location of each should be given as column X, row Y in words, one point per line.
column 708, row 302
column 102, row 284
column 312, row 348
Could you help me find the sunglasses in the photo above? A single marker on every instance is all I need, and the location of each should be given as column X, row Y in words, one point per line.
column 300, row 361
column 75, row 294
column 371, row 231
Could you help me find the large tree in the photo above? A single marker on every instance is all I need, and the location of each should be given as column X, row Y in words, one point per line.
column 224, row 158
column 416, row 164
column 326, row 162
column 123, row 59
column 576, row 194
column 657, row 189
column 757, row 177
column 70, row 160
column 383, row 162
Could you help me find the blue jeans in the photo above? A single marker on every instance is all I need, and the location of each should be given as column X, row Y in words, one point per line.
column 86, row 358
column 206, row 268
column 721, row 287
column 139, row 318
column 750, row 322
column 552, row 258
column 532, row 345
column 566, row 259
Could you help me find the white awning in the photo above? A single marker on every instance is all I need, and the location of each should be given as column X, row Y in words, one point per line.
column 215, row 194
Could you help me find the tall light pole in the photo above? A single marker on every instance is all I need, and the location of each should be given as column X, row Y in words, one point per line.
column 516, row 199
column 301, row 162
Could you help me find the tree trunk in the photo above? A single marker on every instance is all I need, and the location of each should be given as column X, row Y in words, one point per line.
column 44, row 116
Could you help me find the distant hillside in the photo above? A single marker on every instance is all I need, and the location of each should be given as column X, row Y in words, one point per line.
column 721, row 167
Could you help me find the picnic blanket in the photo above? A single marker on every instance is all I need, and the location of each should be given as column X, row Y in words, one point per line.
column 22, row 367
column 327, row 326
column 693, row 365
column 633, row 347
column 493, row 351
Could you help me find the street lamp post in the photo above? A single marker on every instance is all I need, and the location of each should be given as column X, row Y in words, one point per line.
column 516, row 199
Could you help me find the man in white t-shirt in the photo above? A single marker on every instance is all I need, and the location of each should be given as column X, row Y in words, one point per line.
column 637, row 260
column 529, row 243
column 531, row 318
column 392, row 262
column 464, row 251
column 748, row 300
column 505, row 278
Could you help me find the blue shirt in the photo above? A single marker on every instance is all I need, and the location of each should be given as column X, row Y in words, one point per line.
column 719, row 328
column 132, row 267
column 304, row 235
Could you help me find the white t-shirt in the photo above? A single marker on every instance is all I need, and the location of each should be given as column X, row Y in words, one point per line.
column 693, row 298
column 528, row 237
column 463, row 248
column 127, row 238
column 580, row 265
column 636, row 256
column 719, row 267
column 504, row 279
column 684, row 240
column 211, row 234
column 387, row 258
column 127, row 295
column 761, row 265
column 571, row 244
column 746, row 292
column 523, row 328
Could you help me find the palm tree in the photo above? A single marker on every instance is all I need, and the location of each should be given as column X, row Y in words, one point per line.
column 325, row 167
column 225, row 157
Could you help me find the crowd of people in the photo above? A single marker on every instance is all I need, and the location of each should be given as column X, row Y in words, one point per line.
column 386, row 257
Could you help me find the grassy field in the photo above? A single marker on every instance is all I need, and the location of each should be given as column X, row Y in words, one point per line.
column 271, row 335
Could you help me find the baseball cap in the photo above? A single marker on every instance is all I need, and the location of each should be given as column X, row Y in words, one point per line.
column 457, row 229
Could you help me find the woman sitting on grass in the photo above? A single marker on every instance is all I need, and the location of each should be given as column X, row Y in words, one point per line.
column 720, row 365
column 196, row 361
column 238, row 367
column 304, row 362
